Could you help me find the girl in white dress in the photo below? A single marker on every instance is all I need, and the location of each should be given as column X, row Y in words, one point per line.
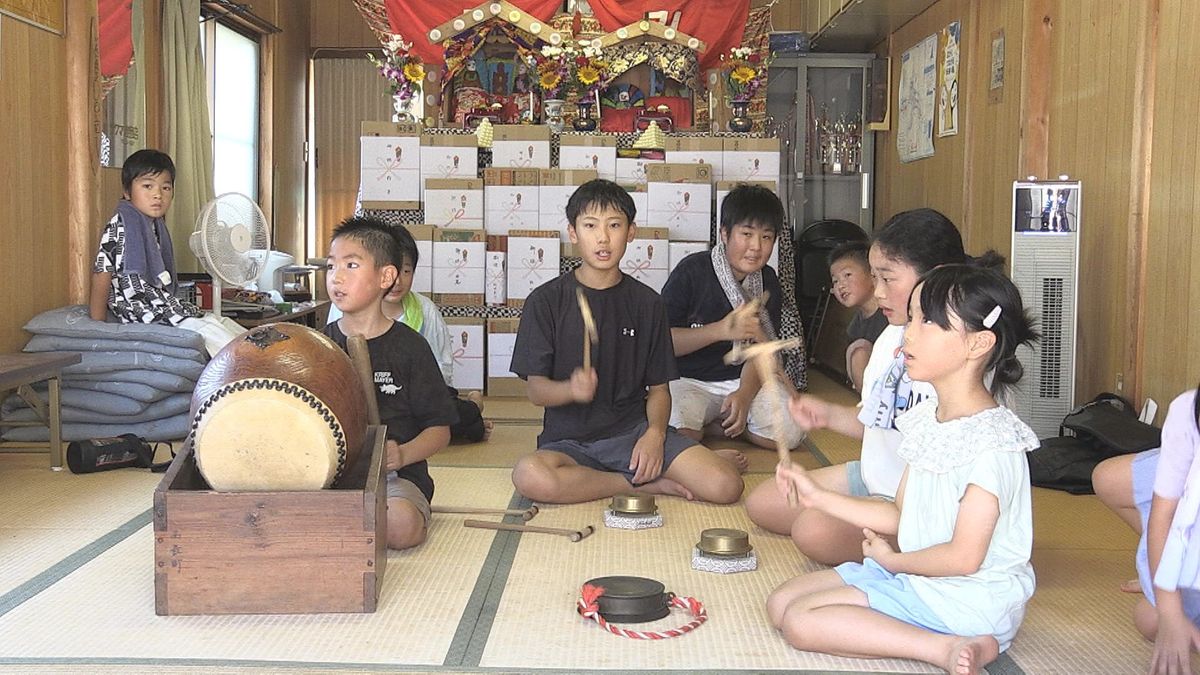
column 954, row 593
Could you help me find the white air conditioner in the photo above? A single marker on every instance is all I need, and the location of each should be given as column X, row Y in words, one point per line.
column 1045, row 268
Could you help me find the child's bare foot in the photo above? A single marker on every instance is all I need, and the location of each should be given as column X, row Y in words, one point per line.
column 735, row 457
column 665, row 486
column 488, row 425
column 969, row 655
column 1131, row 586
column 476, row 398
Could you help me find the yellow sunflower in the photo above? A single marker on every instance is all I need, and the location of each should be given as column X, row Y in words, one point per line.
column 588, row 75
column 743, row 74
column 549, row 80
column 414, row 72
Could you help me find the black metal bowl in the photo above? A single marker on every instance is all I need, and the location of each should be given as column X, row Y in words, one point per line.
column 632, row 599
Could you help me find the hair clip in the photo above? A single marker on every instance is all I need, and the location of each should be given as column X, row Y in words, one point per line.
column 992, row 317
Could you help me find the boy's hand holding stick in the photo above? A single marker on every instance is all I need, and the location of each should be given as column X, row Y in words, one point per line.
column 763, row 356
column 747, row 312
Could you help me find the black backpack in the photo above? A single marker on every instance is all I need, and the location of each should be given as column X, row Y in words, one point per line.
column 1106, row 426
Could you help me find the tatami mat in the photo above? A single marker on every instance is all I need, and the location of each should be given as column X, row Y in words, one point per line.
column 76, row 587
column 106, row 608
column 536, row 624
column 508, row 441
column 511, row 408
column 50, row 514
column 1079, row 621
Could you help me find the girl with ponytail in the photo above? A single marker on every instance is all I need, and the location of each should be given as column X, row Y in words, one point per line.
column 953, row 592
column 910, row 244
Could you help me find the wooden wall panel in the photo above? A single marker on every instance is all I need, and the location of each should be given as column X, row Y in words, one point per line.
column 347, row 91
column 1091, row 109
column 786, row 14
column 1171, row 362
column 287, row 173
column 938, row 181
column 1091, row 103
column 338, row 24
column 33, row 172
column 991, row 130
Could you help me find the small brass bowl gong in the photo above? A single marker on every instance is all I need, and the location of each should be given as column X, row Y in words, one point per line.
column 633, row 505
column 724, row 542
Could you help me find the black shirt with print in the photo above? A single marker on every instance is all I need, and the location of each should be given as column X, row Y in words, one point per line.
column 633, row 353
column 409, row 389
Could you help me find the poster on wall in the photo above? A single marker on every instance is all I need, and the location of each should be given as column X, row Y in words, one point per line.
column 918, row 86
column 948, row 81
column 46, row 14
column 996, row 81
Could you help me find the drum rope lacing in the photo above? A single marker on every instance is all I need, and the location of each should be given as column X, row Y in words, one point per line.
column 588, row 606
column 292, row 390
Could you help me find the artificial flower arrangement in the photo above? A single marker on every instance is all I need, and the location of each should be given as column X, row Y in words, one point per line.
column 745, row 73
column 401, row 68
column 575, row 70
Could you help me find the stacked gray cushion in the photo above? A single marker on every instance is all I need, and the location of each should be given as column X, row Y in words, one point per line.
column 132, row 378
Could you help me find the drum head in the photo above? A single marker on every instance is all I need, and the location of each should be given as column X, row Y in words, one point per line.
column 267, row 435
column 631, row 599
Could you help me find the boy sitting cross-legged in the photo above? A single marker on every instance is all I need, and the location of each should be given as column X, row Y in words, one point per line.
column 605, row 427
column 364, row 261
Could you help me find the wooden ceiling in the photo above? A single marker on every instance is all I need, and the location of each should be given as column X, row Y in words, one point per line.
column 862, row 24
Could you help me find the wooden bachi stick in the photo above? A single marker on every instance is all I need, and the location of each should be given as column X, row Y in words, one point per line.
column 573, row 535
column 356, row 346
column 763, row 356
column 590, row 334
column 526, row 514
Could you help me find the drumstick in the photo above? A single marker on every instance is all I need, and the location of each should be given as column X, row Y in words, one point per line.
column 744, row 352
column 526, row 514
column 573, row 535
column 590, row 334
column 763, row 356
column 356, row 345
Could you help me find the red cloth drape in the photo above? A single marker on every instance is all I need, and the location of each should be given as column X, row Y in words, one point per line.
column 413, row 19
column 718, row 23
column 116, row 36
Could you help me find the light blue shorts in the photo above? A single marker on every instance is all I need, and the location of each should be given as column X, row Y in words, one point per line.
column 1144, row 466
column 858, row 488
column 890, row 594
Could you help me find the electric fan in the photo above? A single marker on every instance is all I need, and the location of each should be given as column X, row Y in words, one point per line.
column 230, row 231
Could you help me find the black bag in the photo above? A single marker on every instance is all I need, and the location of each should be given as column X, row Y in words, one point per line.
column 1105, row 427
column 105, row 454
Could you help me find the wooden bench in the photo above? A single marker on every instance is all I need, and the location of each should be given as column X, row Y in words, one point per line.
column 20, row 371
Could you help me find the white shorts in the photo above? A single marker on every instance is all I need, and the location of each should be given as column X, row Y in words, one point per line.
column 695, row 404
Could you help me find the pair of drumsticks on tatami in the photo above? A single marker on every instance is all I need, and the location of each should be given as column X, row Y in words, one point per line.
column 590, row 335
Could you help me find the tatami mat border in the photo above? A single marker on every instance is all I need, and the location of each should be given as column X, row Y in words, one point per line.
column 470, row 638
column 14, row 598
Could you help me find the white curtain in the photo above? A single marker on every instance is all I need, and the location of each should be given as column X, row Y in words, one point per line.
column 188, row 132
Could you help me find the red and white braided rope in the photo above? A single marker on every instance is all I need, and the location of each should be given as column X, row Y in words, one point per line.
column 589, row 608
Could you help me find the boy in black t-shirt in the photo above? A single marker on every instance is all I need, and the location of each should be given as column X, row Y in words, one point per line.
column 364, row 262
column 605, row 428
column 850, row 272
column 701, row 297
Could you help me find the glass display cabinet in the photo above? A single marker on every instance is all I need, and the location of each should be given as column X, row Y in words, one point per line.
column 818, row 104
